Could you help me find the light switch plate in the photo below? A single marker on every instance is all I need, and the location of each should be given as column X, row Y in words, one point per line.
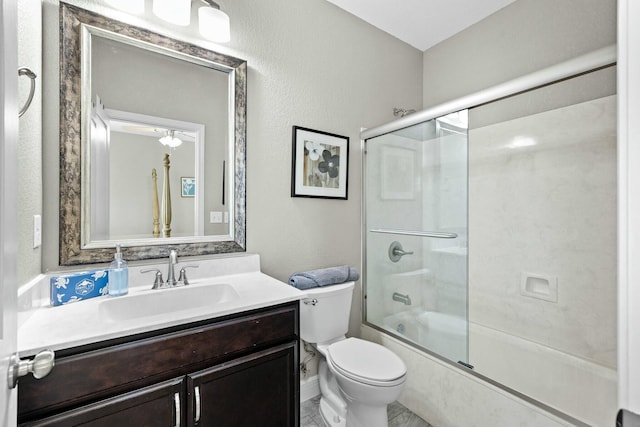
column 215, row 217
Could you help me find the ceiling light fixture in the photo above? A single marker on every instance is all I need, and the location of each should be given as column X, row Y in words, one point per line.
column 170, row 140
column 129, row 6
column 177, row 12
column 213, row 22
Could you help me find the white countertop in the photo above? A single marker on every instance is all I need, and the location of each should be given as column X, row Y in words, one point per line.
column 82, row 323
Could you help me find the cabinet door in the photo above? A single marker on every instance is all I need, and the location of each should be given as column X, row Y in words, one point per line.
column 158, row 405
column 261, row 389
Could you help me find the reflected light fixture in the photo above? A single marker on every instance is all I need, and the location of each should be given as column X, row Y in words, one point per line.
column 522, row 141
column 177, row 12
column 129, row 6
column 213, row 22
column 170, row 140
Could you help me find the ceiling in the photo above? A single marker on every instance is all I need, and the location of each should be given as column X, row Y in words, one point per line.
column 422, row 23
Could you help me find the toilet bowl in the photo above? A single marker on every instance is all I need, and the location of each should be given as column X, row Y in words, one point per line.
column 369, row 377
column 358, row 378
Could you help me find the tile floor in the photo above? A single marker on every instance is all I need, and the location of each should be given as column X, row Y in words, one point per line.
column 399, row 416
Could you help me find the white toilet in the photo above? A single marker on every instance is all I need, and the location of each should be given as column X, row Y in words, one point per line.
column 358, row 378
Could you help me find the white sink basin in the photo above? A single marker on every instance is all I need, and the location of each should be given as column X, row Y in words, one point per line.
column 167, row 301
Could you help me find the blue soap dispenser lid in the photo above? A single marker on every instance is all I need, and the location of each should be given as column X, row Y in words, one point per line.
column 118, row 254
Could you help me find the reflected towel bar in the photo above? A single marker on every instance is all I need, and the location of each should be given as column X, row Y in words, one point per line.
column 436, row 234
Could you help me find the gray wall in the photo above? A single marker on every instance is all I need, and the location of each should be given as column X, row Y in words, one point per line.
column 29, row 180
column 526, row 36
column 336, row 78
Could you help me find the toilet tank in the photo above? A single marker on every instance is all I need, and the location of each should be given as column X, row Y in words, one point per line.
column 324, row 313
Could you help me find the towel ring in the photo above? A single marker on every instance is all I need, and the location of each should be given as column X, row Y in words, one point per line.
column 24, row 71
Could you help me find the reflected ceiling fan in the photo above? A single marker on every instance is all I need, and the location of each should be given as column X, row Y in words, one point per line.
column 169, row 137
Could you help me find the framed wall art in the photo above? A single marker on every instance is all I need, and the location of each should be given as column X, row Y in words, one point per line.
column 319, row 166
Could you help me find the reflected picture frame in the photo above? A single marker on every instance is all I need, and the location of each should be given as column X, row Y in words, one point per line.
column 319, row 164
column 187, row 186
column 397, row 173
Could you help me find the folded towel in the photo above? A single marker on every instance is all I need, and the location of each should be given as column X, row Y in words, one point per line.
column 324, row 277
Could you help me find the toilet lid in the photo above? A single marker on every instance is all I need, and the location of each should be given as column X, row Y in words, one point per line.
column 366, row 362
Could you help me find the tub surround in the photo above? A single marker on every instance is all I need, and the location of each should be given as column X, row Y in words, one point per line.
column 447, row 396
column 538, row 210
column 42, row 326
column 580, row 388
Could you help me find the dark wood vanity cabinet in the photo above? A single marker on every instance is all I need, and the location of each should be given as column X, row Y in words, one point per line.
column 254, row 387
column 238, row 371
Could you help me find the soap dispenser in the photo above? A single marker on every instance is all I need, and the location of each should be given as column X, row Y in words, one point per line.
column 118, row 275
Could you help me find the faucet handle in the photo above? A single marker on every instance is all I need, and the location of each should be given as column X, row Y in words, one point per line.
column 158, row 282
column 183, row 274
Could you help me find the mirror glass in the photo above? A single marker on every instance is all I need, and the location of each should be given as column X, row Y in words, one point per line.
column 154, row 157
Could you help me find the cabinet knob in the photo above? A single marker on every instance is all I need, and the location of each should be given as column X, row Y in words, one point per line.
column 39, row 366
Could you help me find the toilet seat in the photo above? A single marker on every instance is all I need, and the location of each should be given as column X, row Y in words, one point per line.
column 366, row 362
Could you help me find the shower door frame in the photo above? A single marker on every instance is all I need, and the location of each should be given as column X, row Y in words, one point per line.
column 593, row 61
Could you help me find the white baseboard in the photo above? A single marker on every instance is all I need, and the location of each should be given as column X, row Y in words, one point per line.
column 309, row 388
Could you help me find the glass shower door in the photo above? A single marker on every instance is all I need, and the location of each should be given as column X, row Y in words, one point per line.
column 415, row 221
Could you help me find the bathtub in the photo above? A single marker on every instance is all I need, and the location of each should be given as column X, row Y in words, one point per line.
column 441, row 333
column 582, row 389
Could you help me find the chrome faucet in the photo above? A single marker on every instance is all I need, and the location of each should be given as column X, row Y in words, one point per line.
column 158, row 283
column 182, row 279
column 171, row 282
column 403, row 298
column 171, row 275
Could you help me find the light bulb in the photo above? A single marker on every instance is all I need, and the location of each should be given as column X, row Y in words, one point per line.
column 175, row 11
column 175, row 142
column 214, row 24
column 170, row 140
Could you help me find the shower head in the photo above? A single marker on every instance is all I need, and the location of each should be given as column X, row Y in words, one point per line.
column 401, row 112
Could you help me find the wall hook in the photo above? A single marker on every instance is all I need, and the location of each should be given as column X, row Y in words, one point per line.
column 24, row 71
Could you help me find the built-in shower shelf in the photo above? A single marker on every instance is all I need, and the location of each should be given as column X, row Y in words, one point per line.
column 460, row 251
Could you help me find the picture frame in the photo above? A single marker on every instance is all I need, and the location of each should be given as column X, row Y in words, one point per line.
column 320, row 164
column 187, row 186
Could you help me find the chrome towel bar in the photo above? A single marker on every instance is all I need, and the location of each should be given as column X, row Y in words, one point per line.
column 24, row 71
column 435, row 234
